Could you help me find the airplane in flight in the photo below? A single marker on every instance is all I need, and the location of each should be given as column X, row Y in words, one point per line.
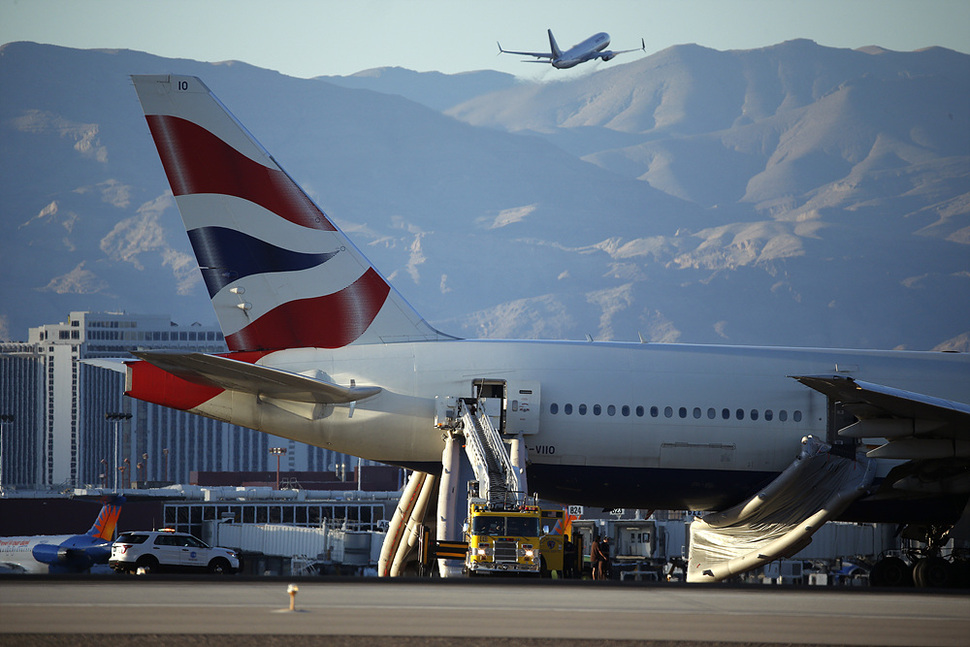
column 772, row 442
column 63, row 553
column 590, row 49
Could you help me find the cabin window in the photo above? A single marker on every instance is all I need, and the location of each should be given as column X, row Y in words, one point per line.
column 696, row 412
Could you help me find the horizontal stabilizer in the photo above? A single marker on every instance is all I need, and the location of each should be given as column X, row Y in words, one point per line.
column 225, row 373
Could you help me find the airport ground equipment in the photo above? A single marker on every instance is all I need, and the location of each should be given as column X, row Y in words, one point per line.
column 503, row 533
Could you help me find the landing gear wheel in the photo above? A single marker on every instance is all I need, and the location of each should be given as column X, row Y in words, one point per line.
column 933, row 573
column 891, row 571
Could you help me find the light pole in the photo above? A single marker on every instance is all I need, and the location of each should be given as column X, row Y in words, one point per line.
column 5, row 419
column 117, row 418
column 277, row 451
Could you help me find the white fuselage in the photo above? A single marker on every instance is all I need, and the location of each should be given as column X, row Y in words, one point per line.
column 584, row 51
column 17, row 553
column 680, row 425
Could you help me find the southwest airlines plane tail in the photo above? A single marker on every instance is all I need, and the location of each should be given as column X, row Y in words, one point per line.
column 279, row 273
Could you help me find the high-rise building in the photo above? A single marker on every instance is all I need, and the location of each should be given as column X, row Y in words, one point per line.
column 70, row 425
column 21, row 412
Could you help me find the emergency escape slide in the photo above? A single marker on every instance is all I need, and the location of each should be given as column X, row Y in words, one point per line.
column 780, row 520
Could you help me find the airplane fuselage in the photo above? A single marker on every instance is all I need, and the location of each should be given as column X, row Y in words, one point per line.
column 326, row 352
column 584, row 51
column 53, row 553
column 683, row 426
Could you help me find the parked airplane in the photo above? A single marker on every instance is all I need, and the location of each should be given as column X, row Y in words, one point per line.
column 324, row 351
column 590, row 49
column 63, row 553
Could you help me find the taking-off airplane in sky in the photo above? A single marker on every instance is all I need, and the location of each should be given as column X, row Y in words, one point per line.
column 590, row 49
column 773, row 442
column 63, row 553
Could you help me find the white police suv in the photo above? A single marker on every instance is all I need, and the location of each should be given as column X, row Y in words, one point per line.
column 166, row 550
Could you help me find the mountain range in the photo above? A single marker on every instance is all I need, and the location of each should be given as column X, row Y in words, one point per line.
column 790, row 195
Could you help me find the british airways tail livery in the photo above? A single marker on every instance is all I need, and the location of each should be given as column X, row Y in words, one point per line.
column 773, row 442
column 590, row 49
column 63, row 553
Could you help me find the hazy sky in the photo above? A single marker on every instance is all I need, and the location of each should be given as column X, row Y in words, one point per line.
column 309, row 38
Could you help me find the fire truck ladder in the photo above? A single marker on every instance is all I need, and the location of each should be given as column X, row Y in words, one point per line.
column 497, row 477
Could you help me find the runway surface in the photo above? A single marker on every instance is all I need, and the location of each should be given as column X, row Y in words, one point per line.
column 46, row 611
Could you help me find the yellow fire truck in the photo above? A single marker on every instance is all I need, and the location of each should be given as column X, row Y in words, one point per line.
column 525, row 540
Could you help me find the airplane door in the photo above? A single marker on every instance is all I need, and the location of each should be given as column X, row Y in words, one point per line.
column 522, row 413
column 490, row 394
column 513, row 406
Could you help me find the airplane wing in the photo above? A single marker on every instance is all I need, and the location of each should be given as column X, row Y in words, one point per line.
column 642, row 48
column 917, row 426
column 536, row 54
column 225, row 373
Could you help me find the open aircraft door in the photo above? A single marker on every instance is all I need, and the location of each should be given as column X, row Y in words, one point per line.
column 522, row 410
column 512, row 405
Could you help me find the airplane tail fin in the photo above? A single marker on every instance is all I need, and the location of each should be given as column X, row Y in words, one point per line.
column 104, row 526
column 279, row 272
column 556, row 52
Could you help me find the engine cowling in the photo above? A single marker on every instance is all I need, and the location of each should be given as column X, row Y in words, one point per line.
column 62, row 557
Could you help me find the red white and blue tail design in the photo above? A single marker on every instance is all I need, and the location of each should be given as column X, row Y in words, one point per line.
column 279, row 272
